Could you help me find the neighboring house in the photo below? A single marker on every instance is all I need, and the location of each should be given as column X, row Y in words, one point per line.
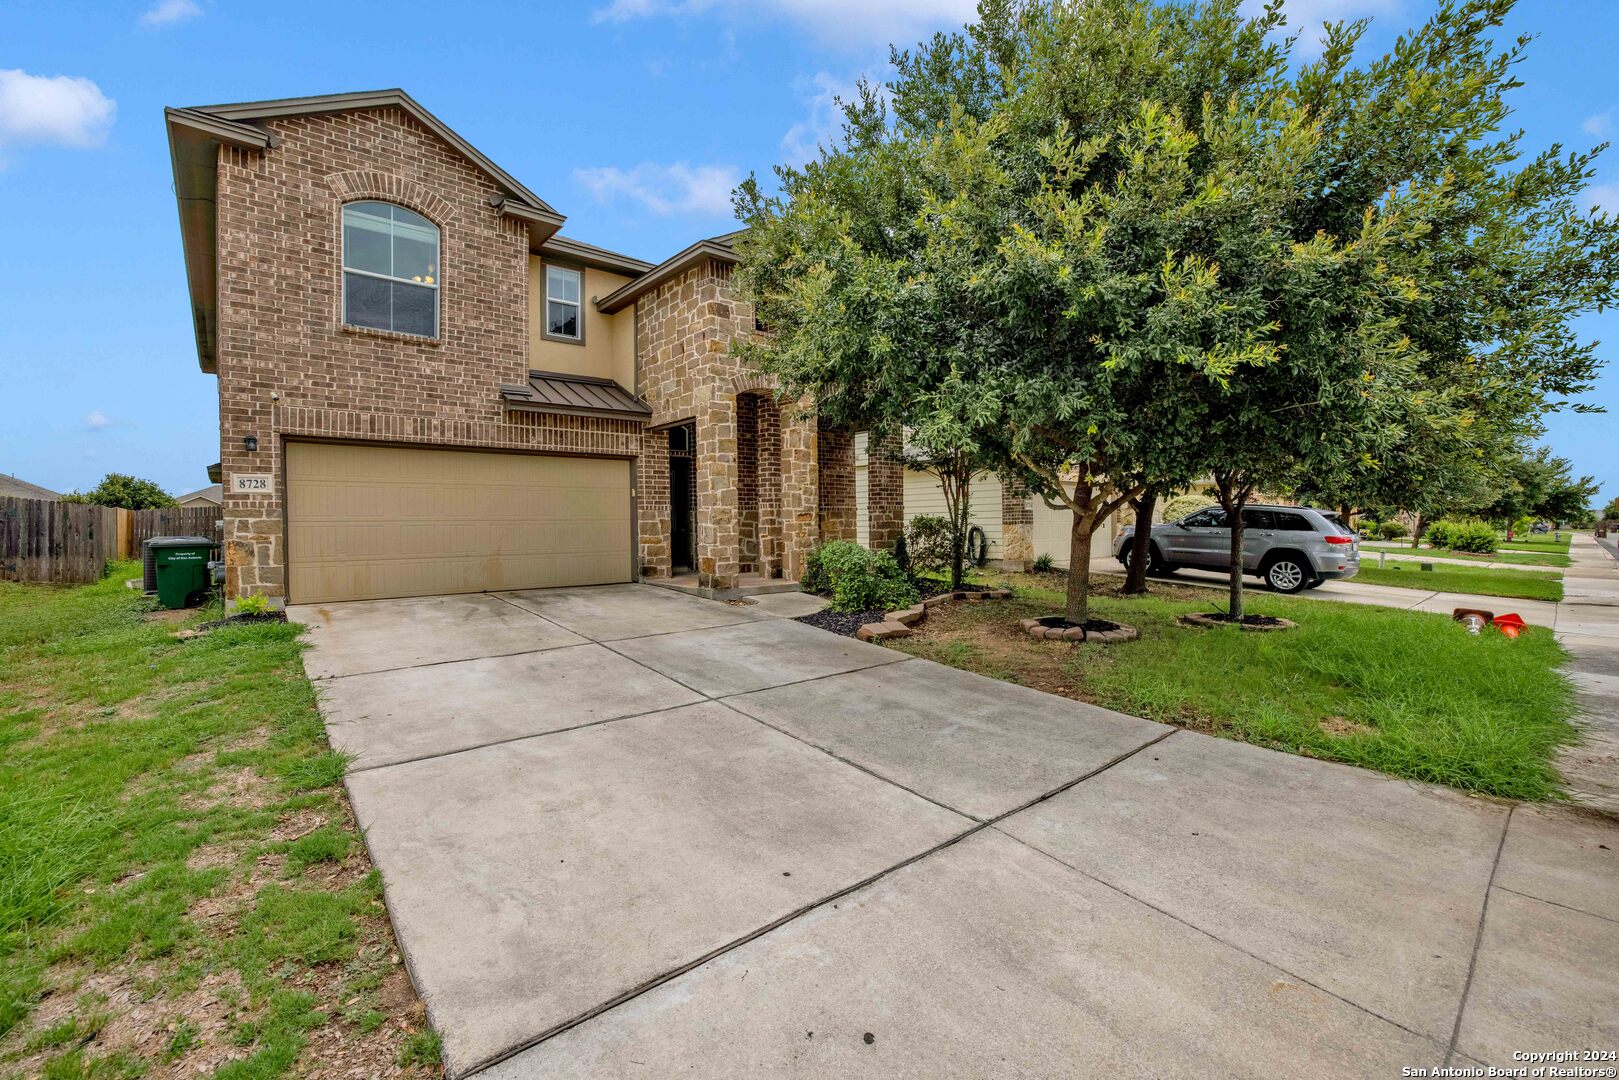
column 425, row 388
column 208, row 496
column 22, row 489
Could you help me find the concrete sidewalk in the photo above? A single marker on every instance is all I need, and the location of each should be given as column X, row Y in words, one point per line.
column 627, row 832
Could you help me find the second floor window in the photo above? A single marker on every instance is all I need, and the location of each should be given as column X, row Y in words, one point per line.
column 390, row 269
column 563, row 316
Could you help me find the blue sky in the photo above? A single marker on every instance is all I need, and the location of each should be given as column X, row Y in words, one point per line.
column 632, row 117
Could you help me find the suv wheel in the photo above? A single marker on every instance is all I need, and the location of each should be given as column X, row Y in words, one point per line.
column 1155, row 560
column 1287, row 574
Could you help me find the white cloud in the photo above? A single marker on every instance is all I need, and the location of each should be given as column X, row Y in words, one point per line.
column 1605, row 197
column 1305, row 17
column 60, row 109
column 823, row 121
column 96, row 421
column 169, row 12
column 850, row 22
column 680, row 188
column 1600, row 125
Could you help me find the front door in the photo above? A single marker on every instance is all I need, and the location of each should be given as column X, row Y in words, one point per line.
column 682, row 499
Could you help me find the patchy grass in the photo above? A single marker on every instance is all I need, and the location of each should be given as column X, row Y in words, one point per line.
column 182, row 890
column 1517, row 558
column 1525, row 584
column 1406, row 693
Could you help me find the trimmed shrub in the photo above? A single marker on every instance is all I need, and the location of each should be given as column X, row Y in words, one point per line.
column 1391, row 530
column 1181, row 505
column 858, row 579
column 928, row 543
column 1473, row 537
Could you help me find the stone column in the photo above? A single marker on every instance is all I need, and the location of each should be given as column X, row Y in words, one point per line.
column 716, row 496
column 1017, row 526
column 885, row 493
column 770, row 488
column 835, row 468
column 800, row 488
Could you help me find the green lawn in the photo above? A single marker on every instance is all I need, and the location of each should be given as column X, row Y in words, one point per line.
column 1523, row 584
column 1543, row 542
column 1518, row 558
column 1406, row 693
column 182, row 888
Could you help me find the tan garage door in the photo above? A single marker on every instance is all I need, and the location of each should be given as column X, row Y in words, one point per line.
column 366, row 522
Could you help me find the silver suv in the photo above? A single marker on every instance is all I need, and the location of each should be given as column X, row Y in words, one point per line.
column 1292, row 547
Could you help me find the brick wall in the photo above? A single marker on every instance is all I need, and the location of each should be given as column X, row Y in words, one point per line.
column 287, row 365
column 885, row 493
column 836, row 470
column 1017, row 525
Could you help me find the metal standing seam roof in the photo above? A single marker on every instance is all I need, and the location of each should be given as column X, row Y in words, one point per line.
column 550, row 391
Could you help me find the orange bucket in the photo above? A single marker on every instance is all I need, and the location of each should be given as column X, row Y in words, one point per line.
column 1510, row 624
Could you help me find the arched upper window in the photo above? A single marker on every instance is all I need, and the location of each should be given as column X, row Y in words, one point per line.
column 390, row 269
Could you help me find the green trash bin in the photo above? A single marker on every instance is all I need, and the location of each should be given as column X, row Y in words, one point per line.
column 181, row 567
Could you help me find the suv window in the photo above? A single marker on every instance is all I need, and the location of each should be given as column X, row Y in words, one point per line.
column 1258, row 519
column 1212, row 518
column 1286, row 522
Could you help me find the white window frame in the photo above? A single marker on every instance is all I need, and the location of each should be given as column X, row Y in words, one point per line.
column 344, row 270
column 547, row 300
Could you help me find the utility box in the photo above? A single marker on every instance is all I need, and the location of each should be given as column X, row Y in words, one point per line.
column 180, row 567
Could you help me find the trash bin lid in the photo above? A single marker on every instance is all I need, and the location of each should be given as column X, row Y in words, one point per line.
column 181, row 541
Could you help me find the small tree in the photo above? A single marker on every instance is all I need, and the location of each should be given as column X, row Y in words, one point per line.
column 122, row 490
column 944, row 445
column 1611, row 511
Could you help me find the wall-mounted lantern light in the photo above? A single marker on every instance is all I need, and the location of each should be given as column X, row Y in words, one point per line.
column 250, row 443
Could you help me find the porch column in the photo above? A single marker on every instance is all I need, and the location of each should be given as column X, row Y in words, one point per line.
column 717, row 523
column 885, row 493
column 652, row 504
column 800, row 487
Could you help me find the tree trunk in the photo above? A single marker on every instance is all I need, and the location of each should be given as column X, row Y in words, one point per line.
column 958, row 543
column 1416, row 531
column 1079, row 570
column 1135, row 578
column 1236, row 562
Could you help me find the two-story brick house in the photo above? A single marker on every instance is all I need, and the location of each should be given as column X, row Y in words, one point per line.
column 425, row 388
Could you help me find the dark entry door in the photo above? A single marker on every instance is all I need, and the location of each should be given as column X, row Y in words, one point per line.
column 682, row 499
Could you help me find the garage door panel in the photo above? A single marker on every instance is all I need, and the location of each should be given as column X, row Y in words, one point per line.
column 368, row 522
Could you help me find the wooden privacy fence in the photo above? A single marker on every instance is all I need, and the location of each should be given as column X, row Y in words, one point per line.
column 170, row 521
column 46, row 540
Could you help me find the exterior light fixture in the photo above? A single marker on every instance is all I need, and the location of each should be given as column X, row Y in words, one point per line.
column 250, row 443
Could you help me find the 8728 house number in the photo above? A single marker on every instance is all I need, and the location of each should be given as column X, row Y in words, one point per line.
column 255, row 484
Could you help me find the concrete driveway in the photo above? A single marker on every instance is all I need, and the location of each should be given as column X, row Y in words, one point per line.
column 629, row 832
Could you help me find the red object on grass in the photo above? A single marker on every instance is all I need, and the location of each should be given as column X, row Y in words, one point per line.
column 1509, row 624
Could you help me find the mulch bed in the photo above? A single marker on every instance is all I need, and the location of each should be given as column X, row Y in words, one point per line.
column 841, row 622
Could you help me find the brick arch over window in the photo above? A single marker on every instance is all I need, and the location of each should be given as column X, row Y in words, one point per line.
column 751, row 381
column 370, row 184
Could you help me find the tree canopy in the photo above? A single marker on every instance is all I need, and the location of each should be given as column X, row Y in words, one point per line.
column 123, row 490
column 1139, row 242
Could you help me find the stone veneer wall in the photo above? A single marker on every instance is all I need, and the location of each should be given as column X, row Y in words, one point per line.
column 1017, row 526
column 289, row 368
column 686, row 373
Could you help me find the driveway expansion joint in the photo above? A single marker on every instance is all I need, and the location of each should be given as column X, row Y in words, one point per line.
column 1478, row 936
column 753, row 935
column 1438, row 1043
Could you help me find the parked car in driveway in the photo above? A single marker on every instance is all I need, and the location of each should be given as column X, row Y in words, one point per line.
column 1291, row 547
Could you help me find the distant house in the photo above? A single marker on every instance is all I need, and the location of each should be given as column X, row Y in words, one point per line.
column 22, row 489
column 208, row 496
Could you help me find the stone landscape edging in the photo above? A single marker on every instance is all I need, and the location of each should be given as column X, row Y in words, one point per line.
column 1037, row 629
column 898, row 624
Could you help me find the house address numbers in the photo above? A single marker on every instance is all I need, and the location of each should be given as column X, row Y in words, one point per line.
column 250, row 483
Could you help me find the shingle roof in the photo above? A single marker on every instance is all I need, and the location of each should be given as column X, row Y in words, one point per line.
column 213, row 493
column 22, row 489
column 550, row 391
